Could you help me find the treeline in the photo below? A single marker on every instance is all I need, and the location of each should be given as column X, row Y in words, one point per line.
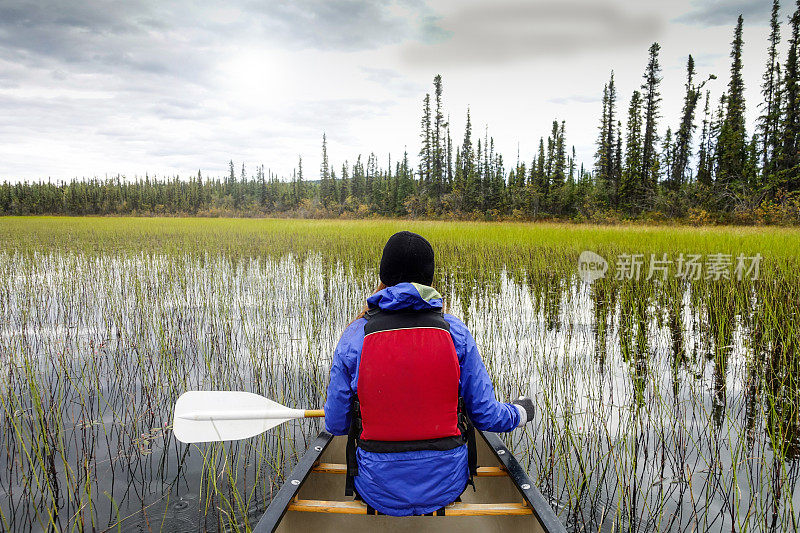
column 722, row 175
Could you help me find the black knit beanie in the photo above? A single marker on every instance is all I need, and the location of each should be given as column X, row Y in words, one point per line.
column 407, row 257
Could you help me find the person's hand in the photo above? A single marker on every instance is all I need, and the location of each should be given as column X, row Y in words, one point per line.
column 525, row 407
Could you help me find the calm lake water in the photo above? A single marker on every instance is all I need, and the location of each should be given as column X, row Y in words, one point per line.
column 653, row 413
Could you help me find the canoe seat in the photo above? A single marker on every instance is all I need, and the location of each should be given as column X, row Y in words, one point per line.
column 455, row 509
column 339, row 468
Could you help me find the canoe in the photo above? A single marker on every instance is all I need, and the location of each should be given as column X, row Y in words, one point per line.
column 312, row 498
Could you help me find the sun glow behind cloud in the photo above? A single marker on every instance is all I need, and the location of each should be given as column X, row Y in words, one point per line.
column 91, row 89
column 255, row 78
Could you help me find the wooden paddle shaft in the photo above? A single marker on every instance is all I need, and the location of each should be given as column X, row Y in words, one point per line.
column 314, row 413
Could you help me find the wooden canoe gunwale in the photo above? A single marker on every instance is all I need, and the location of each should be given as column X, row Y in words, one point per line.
column 280, row 503
column 541, row 508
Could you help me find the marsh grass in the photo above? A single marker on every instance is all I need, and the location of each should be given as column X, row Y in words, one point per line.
column 661, row 404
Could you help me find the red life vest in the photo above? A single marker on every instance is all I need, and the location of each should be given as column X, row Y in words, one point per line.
column 408, row 381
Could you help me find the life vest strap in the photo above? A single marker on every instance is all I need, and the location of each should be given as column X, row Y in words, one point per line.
column 468, row 431
column 386, row 446
column 350, row 449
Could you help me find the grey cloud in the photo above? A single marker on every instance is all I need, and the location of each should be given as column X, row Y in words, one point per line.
column 184, row 40
column 725, row 12
column 65, row 30
column 510, row 30
column 430, row 31
column 102, row 37
column 345, row 25
column 9, row 76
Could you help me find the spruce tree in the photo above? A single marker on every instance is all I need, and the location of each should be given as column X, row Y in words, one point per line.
column 449, row 161
column 611, row 171
column 372, row 182
column 559, row 165
column 459, row 182
column 405, row 184
column 667, row 148
column 732, row 141
column 768, row 121
column 715, row 130
column 631, row 188
column 344, row 189
column 704, row 156
column 487, row 172
column 608, row 156
column 333, row 191
column 299, row 185
column 437, row 149
column 477, row 189
column 788, row 160
column 603, row 154
column 572, row 160
column 498, row 183
column 683, row 137
column 262, row 187
column 616, row 175
column 425, row 136
column 468, row 185
column 543, row 183
column 776, row 135
column 326, row 191
column 358, row 183
column 652, row 99
column 751, row 171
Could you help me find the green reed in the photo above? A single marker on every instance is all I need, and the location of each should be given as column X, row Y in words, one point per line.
column 662, row 404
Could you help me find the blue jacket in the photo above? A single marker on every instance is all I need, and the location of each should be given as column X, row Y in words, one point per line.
column 418, row 482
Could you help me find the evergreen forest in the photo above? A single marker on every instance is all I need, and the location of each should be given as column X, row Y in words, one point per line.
column 703, row 166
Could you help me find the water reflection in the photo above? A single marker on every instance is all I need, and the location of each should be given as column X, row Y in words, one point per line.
column 663, row 405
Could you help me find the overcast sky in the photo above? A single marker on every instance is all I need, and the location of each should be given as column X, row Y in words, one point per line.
column 99, row 88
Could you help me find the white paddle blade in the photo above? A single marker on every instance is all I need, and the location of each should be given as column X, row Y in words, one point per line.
column 212, row 416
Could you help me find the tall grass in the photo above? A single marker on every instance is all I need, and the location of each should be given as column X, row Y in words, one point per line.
column 661, row 404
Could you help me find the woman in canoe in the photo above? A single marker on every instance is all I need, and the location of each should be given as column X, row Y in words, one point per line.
column 406, row 381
